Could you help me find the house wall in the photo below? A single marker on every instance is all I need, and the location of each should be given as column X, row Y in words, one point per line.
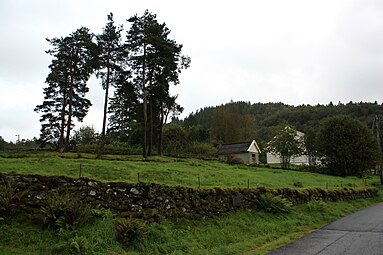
column 246, row 158
column 301, row 160
column 272, row 158
column 275, row 159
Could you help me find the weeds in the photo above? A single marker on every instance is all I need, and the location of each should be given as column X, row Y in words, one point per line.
column 10, row 197
column 298, row 184
column 130, row 230
column 65, row 211
column 273, row 204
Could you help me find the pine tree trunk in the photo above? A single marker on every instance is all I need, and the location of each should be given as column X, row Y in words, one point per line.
column 151, row 102
column 61, row 146
column 144, row 146
column 69, row 126
column 160, row 135
column 105, row 108
column 150, row 145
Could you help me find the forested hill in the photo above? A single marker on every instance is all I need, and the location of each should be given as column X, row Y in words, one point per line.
column 266, row 117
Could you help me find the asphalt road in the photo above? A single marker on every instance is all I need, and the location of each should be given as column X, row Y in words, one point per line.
column 360, row 233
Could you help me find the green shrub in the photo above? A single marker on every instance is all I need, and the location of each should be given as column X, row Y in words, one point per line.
column 65, row 211
column 10, row 197
column 115, row 148
column 80, row 245
column 298, row 184
column 122, row 149
column 232, row 160
column 103, row 213
column 273, row 204
column 74, row 245
column 130, row 230
column 315, row 206
column 200, row 149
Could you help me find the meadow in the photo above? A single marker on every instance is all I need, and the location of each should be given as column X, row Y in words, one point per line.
column 241, row 232
column 188, row 172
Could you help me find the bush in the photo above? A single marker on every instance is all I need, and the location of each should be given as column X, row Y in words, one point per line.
column 298, row 184
column 65, row 211
column 74, row 245
column 232, row 160
column 315, row 206
column 200, row 149
column 122, row 149
column 273, row 204
column 347, row 146
column 130, row 230
column 115, row 148
column 10, row 197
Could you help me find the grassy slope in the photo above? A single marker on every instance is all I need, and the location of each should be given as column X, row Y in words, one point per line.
column 238, row 233
column 184, row 172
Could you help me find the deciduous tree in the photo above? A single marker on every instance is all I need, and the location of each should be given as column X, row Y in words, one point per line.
column 286, row 144
column 347, row 146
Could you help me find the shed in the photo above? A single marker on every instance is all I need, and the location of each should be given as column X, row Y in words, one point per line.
column 246, row 152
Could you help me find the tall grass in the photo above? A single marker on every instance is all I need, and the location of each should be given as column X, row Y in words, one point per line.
column 238, row 233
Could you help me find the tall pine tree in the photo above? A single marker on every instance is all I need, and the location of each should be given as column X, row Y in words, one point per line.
column 155, row 61
column 123, row 109
column 110, row 59
column 67, row 86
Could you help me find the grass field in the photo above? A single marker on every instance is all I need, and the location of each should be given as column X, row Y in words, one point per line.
column 241, row 232
column 238, row 233
column 171, row 171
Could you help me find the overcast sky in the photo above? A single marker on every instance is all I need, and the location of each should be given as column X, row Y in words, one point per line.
column 296, row 51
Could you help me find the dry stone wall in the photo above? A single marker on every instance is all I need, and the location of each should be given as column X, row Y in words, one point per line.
column 148, row 200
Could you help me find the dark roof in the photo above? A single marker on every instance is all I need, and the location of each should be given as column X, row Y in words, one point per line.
column 234, row 148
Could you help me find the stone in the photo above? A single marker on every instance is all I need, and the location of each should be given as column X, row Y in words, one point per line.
column 41, row 195
column 92, row 193
column 134, row 191
column 238, row 201
column 92, row 184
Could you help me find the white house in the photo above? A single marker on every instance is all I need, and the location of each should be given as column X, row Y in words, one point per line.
column 273, row 158
column 246, row 152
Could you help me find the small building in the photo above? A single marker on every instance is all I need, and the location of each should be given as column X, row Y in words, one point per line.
column 273, row 158
column 246, row 152
column 276, row 159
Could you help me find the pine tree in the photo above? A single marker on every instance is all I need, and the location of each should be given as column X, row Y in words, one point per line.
column 156, row 63
column 65, row 94
column 110, row 59
column 123, row 108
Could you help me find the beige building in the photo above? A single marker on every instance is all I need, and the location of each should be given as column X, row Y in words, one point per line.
column 246, row 152
column 273, row 158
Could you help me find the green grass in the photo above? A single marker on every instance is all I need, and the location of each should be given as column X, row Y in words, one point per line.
column 21, row 235
column 238, row 233
column 170, row 171
column 244, row 232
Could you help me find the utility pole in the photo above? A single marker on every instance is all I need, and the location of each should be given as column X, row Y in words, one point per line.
column 18, row 143
column 376, row 126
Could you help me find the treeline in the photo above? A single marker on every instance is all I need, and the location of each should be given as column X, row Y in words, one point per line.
column 241, row 121
column 140, row 67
